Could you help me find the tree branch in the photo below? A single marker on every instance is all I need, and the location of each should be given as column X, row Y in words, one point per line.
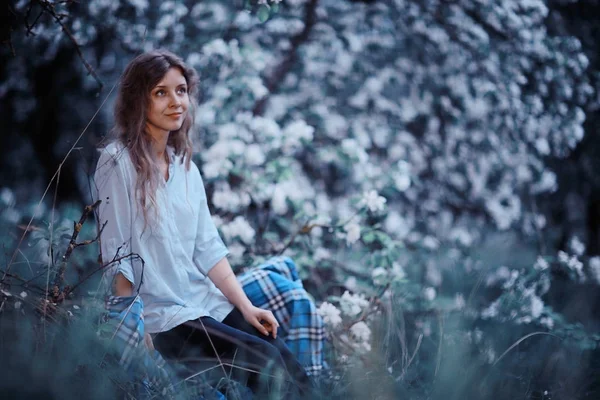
column 49, row 8
column 60, row 275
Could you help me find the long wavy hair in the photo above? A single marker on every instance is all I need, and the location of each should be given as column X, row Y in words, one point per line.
column 141, row 75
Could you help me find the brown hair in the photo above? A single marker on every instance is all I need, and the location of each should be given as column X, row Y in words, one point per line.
column 141, row 75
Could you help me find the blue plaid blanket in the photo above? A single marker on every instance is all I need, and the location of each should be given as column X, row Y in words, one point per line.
column 274, row 285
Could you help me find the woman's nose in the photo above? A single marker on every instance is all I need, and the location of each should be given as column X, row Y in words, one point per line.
column 175, row 101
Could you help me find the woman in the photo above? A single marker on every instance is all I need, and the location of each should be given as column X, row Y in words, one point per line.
column 155, row 210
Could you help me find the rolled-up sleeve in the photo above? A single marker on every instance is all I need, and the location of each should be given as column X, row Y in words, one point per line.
column 209, row 248
column 110, row 181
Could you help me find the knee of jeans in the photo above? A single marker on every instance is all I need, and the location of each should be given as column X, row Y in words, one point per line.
column 280, row 345
column 263, row 349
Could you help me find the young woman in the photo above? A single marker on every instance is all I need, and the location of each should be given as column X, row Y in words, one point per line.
column 154, row 207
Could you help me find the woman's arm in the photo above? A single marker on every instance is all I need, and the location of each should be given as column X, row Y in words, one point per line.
column 122, row 286
column 210, row 258
column 223, row 277
column 111, row 184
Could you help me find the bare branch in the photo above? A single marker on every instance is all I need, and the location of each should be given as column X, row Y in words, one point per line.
column 69, row 290
column 49, row 8
column 60, row 276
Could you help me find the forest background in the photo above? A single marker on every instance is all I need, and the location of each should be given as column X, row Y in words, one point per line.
column 431, row 167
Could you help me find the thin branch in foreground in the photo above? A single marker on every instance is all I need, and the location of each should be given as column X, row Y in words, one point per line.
column 49, row 8
column 60, row 276
column 69, row 289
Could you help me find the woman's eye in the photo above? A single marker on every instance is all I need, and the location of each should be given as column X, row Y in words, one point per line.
column 160, row 92
column 182, row 90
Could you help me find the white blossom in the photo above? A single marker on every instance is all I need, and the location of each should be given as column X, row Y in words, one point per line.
column 254, row 155
column 353, row 150
column 547, row 183
column 361, row 331
column 431, row 243
column 492, row 310
column 294, row 133
column 490, row 355
column 429, row 293
column 379, row 275
column 7, row 197
column 397, row 224
column 594, row 265
column 214, row 169
column 541, row 264
column 537, row 306
column 402, row 177
column 226, row 199
column 373, row 201
column 547, row 322
column 353, row 304
column 563, row 257
column 577, row 246
column 462, row 236
column 350, row 283
column 352, row 232
column 256, row 86
column 321, row 254
column 459, row 301
column 239, row 227
column 398, row 271
column 279, row 200
column 330, row 313
column 236, row 251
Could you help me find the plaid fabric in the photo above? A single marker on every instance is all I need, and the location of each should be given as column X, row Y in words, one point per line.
column 276, row 286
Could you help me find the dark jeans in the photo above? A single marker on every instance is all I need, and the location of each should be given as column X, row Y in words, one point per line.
column 235, row 339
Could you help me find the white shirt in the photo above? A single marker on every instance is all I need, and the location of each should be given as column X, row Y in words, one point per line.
column 178, row 249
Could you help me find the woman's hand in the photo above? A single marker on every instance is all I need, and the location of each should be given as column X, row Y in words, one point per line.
column 148, row 341
column 261, row 319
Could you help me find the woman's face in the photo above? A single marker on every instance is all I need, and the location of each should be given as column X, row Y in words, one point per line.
column 169, row 103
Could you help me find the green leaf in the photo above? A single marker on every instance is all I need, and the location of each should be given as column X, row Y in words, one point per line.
column 263, row 13
column 275, row 8
column 368, row 237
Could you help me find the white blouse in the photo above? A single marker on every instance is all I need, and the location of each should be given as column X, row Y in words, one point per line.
column 178, row 247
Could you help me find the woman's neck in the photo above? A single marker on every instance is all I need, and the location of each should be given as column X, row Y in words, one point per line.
column 159, row 142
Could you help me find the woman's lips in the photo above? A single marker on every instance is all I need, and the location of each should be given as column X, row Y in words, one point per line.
column 175, row 116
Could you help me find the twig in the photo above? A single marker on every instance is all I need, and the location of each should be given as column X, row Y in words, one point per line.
column 68, row 290
column 305, row 230
column 60, row 276
column 49, row 8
